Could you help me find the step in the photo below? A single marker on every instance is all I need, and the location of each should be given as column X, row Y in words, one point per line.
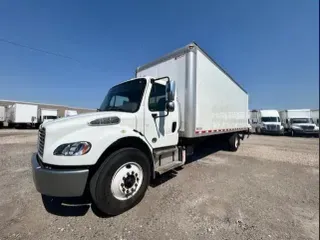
column 165, row 151
column 168, row 167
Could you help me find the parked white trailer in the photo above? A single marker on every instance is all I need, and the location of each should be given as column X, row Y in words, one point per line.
column 143, row 127
column 2, row 115
column 69, row 112
column 22, row 115
column 45, row 114
column 267, row 122
column 298, row 122
column 315, row 116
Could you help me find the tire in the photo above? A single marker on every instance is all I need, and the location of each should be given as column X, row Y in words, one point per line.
column 107, row 186
column 234, row 142
column 292, row 133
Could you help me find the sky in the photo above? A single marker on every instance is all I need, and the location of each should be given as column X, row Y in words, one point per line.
column 271, row 48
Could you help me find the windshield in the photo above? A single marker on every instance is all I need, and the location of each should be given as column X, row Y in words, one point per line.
column 125, row 97
column 50, row 117
column 301, row 120
column 270, row 119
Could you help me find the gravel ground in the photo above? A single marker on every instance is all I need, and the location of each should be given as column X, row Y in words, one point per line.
column 269, row 189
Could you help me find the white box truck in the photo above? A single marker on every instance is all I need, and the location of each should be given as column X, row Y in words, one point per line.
column 143, row 128
column 315, row 116
column 267, row 122
column 22, row 115
column 45, row 115
column 68, row 113
column 298, row 122
column 2, row 115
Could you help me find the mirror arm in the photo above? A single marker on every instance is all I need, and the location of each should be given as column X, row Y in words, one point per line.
column 154, row 115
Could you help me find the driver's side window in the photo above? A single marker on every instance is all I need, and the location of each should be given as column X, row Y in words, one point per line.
column 118, row 101
column 157, row 99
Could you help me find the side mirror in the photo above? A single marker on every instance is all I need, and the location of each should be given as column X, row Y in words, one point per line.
column 170, row 106
column 170, row 91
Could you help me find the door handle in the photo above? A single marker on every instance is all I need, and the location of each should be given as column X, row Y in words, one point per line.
column 174, row 126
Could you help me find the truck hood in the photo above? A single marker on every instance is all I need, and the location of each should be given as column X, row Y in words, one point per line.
column 304, row 124
column 82, row 120
column 271, row 123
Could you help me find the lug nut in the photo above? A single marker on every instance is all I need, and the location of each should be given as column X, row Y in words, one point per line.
column 123, row 190
column 128, row 173
column 127, row 191
column 132, row 172
column 137, row 179
column 132, row 189
column 122, row 184
column 123, row 178
column 136, row 185
column 136, row 174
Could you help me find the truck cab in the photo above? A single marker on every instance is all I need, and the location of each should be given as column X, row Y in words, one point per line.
column 302, row 126
column 138, row 120
column 48, row 118
column 269, row 122
column 46, row 115
column 315, row 116
column 299, row 122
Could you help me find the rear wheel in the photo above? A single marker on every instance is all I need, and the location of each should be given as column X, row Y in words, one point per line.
column 121, row 181
column 234, row 142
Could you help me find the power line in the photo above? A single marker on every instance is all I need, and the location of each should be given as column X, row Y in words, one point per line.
column 37, row 49
column 46, row 52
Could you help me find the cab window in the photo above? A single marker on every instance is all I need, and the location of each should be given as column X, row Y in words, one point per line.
column 157, row 99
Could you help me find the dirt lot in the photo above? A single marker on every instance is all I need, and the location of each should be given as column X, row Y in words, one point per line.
column 269, row 189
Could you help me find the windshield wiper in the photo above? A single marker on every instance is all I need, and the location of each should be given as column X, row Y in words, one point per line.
column 114, row 108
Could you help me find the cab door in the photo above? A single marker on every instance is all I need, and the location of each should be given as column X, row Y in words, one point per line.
column 161, row 126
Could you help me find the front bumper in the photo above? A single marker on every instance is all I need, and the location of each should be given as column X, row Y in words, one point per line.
column 304, row 132
column 276, row 132
column 58, row 182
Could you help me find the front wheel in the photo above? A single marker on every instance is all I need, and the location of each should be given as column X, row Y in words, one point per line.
column 121, row 181
column 234, row 142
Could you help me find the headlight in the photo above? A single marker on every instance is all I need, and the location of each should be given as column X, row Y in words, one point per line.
column 73, row 149
column 105, row 121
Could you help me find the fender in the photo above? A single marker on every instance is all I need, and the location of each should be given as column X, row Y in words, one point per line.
column 100, row 137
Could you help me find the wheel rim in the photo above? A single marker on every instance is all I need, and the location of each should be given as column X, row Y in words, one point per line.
column 236, row 142
column 127, row 181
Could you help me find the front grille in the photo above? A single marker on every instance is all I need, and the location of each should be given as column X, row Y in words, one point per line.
column 308, row 128
column 41, row 140
column 273, row 127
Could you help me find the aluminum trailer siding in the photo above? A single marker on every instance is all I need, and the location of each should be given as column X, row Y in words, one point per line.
column 211, row 102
